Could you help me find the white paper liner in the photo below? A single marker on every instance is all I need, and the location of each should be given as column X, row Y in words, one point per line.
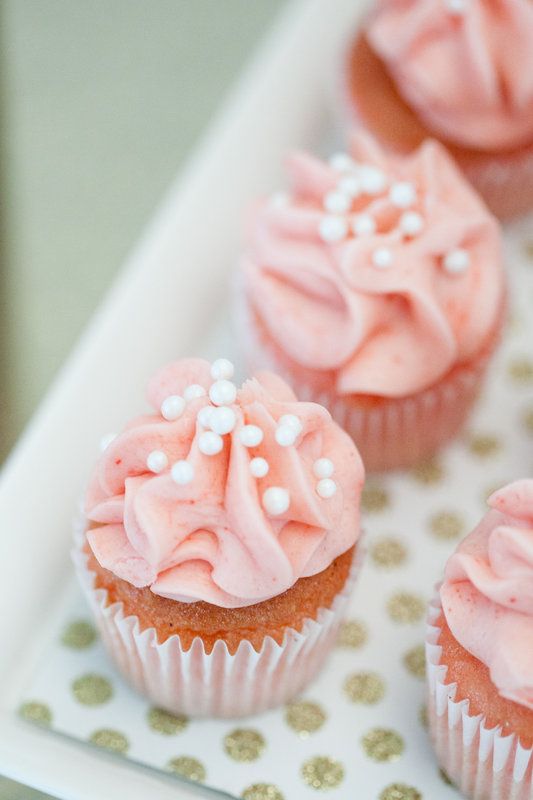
column 480, row 761
column 217, row 684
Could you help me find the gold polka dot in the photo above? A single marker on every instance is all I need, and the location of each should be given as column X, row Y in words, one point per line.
column 244, row 744
column 166, row 723
column 484, row 445
column 423, row 716
column 528, row 250
column 446, row 525
column 79, row 635
column 322, row 772
column 428, row 473
column 262, row 791
column 400, row 791
column 110, row 740
column 404, row 607
column 388, row 553
column 382, row 744
column 352, row 634
column 364, row 687
column 374, row 498
column 304, row 717
column 521, row 370
column 527, row 419
column 92, row 690
column 37, row 712
column 415, row 661
column 445, row 778
column 187, row 767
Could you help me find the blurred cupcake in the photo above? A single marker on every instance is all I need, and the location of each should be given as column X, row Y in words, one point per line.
column 480, row 654
column 220, row 541
column 457, row 70
column 376, row 288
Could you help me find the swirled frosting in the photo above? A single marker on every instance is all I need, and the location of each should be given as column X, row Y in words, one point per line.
column 233, row 517
column 465, row 66
column 376, row 275
column 487, row 594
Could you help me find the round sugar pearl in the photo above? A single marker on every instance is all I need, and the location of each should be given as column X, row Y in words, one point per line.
column 382, row 258
column 223, row 393
column 204, row 416
column 222, row 420
column 286, row 435
column 323, row 468
column 292, row 420
column 210, row 443
column 411, row 223
column 251, row 435
column 259, row 467
column 194, row 391
column 222, row 369
column 326, row 488
column 276, row 501
column 364, row 225
column 157, row 461
column 337, row 202
column 332, row 229
column 182, row 472
column 456, row 261
column 172, row 407
column 373, row 180
column 402, row 194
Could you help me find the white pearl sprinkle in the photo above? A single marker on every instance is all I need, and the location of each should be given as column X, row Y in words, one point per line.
column 373, row 180
column 292, row 420
column 182, row 472
column 276, row 500
column 332, row 229
column 204, row 416
column 106, row 440
column 194, row 391
column 363, row 225
column 157, row 461
column 323, row 468
column 223, row 393
column 411, row 223
column 341, row 162
column 172, row 407
column 222, row 420
column 337, row 202
column 326, row 488
column 259, row 467
column 251, row 435
column 210, row 443
column 456, row 261
column 350, row 185
column 382, row 258
column 285, row 435
column 457, row 7
column 222, row 369
column 402, row 194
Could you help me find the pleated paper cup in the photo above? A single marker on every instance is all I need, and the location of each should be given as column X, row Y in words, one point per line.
column 216, row 684
column 481, row 762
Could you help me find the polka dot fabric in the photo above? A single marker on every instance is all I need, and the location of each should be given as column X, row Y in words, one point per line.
column 359, row 730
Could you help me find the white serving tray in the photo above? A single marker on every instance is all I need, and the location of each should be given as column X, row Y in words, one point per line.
column 160, row 307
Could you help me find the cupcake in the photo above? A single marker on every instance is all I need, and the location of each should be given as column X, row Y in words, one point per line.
column 480, row 654
column 375, row 287
column 456, row 70
column 220, row 541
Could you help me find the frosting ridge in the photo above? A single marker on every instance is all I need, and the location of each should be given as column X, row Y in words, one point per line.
column 465, row 66
column 366, row 271
column 230, row 500
column 487, row 594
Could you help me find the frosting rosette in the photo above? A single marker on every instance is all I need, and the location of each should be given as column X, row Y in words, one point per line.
column 222, row 494
column 376, row 275
column 487, row 594
column 465, row 66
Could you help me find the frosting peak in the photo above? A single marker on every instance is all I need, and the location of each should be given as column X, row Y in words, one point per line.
column 487, row 595
column 466, row 66
column 379, row 274
column 222, row 495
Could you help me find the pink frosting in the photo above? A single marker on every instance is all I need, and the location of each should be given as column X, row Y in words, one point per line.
column 389, row 331
column 469, row 75
column 487, row 595
column 211, row 539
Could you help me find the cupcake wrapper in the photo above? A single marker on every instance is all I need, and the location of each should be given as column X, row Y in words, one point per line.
column 217, row 684
column 394, row 433
column 480, row 761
